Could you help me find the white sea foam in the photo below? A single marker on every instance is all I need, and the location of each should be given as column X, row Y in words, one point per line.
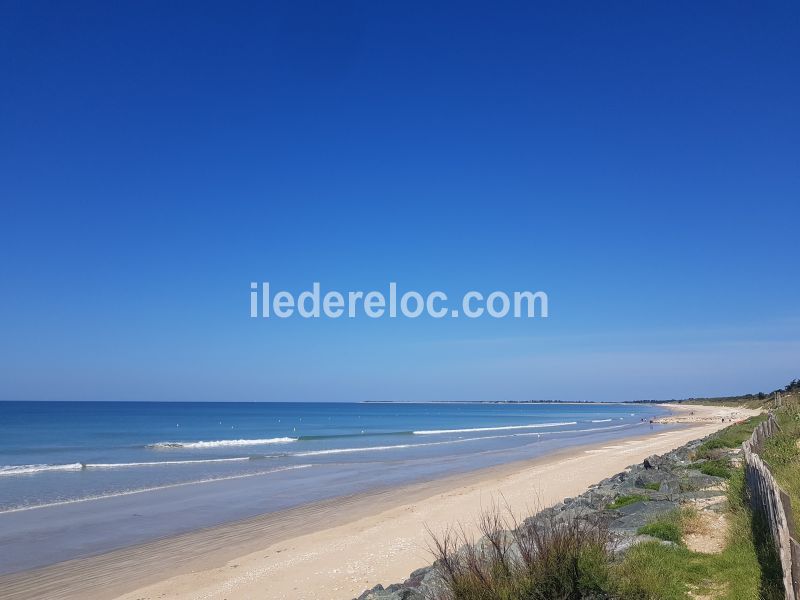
column 33, row 469
column 163, row 463
column 30, row 469
column 591, row 429
column 153, row 489
column 373, row 448
column 503, row 428
column 397, row 446
column 600, row 420
column 222, row 443
column 447, row 442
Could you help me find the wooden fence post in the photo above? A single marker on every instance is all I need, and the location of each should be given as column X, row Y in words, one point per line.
column 795, row 569
column 774, row 504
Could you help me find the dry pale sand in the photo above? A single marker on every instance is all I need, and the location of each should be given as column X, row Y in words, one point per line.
column 336, row 549
column 691, row 413
column 340, row 562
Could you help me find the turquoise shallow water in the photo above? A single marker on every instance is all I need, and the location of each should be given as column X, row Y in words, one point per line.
column 86, row 477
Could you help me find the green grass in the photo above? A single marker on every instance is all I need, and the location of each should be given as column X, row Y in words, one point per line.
column 670, row 526
column 652, row 486
column 744, row 570
column 760, row 400
column 747, row 568
column 652, row 571
column 666, row 527
column 782, row 454
column 621, row 501
column 570, row 563
column 717, row 468
column 731, row 437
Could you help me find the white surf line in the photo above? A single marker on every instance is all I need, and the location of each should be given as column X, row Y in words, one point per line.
column 446, row 442
column 165, row 463
column 14, row 470
column 499, row 428
column 220, row 443
column 152, row 489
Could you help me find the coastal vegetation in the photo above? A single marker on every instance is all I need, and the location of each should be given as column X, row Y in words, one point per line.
column 541, row 560
column 674, row 527
column 720, row 553
column 730, row 437
column 573, row 560
column 782, row 451
column 666, row 527
column 745, row 568
column 756, row 400
column 625, row 500
column 717, row 467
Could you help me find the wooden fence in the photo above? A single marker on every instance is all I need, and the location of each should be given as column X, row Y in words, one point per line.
column 773, row 503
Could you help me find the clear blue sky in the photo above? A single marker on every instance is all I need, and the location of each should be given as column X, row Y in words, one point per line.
column 640, row 162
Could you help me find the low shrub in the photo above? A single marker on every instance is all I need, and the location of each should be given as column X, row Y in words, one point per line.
column 542, row 560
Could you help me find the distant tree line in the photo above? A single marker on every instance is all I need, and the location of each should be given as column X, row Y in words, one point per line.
column 792, row 386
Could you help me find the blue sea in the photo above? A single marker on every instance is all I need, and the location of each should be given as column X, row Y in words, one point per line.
column 188, row 465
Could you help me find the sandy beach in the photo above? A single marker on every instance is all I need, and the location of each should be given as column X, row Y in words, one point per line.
column 335, row 549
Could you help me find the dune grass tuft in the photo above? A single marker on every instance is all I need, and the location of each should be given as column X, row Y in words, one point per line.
column 666, row 527
column 717, row 467
column 625, row 500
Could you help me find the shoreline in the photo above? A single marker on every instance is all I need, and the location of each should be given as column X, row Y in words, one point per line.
column 337, row 548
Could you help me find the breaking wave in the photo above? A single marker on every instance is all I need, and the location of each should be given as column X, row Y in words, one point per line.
column 30, row 469
column 151, row 489
column 222, row 443
column 79, row 466
column 502, row 428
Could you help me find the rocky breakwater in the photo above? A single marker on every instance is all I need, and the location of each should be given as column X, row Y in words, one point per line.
column 622, row 504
